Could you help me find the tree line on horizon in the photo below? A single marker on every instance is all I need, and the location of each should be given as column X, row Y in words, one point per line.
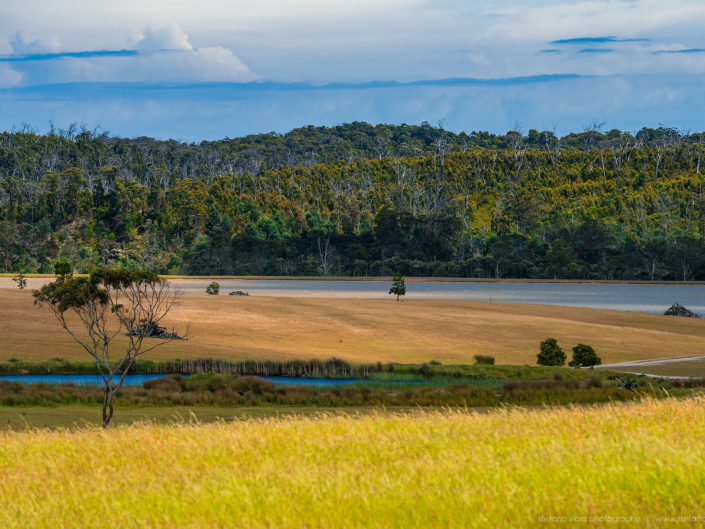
column 359, row 199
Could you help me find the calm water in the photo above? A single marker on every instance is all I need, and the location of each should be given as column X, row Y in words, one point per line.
column 321, row 382
column 630, row 297
column 79, row 380
column 138, row 380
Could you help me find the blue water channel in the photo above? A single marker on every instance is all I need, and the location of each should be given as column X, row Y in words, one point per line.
column 139, row 379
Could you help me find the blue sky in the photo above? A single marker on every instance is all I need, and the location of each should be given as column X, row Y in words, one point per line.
column 210, row 69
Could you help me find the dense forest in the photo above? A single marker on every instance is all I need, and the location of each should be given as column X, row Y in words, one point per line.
column 358, row 199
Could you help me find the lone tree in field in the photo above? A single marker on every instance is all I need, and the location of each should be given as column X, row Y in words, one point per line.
column 398, row 287
column 108, row 304
column 21, row 280
column 551, row 354
column 213, row 289
column 584, row 356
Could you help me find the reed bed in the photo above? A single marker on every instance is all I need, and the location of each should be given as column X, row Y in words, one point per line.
column 331, row 368
column 232, row 390
column 630, row 465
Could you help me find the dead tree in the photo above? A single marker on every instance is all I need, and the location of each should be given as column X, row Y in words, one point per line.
column 108, row 304
column 324, row 260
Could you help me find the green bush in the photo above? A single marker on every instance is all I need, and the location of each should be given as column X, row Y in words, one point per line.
column 213, row 289
column 425, row 370
column 484, row 360
column 584, row 356
column 550, row 354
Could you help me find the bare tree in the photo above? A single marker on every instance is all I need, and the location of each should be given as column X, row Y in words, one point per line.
column 591, row 134
column 324, row 255
column 441, row 142
column 109, row 304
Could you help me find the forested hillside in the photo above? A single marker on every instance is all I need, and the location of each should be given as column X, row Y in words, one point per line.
column 359, row 200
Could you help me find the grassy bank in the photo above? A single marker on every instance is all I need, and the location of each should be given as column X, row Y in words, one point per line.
column 232, row 390
column 368, row 330
column 331, row 368
column 442, row 469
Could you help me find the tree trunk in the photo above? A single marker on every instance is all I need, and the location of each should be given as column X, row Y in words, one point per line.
column 107, row 407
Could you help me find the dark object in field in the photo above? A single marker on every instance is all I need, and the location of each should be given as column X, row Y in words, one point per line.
column 20, row 280
column 679, row 310
column 238, row 293
column 484, row 360
column 152, row 330
column 628, row 384
column 213, row 289
column 425, row 370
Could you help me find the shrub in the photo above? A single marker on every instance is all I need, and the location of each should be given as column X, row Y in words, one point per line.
column 550, row 354
column 584, row 356
column 213, row 289
column 594, row 382
column 484, row 360
column 167, row 384
column 424, row 370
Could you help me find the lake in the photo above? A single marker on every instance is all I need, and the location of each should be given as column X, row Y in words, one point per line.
column 79, row 380
column 636, row 297
column 652, row 298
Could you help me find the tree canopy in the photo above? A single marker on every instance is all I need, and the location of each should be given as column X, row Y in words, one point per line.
column 359, row 199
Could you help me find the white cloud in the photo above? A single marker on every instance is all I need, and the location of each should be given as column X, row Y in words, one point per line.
column 339, row 40
column 218, row 61
column 169, row 37
column 24, row 44
column 164, row 53
column 558, row 19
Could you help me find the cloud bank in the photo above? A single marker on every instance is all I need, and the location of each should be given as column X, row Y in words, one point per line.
column 279, row 64
column 161, row 53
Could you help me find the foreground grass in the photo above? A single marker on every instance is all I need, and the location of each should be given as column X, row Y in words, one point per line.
column 368, row 330
column 443, row 469
column 30, row 418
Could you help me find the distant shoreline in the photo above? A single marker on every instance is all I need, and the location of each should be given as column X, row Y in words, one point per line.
column 407, row 279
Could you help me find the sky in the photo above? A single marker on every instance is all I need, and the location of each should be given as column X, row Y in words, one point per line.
column 217, row 68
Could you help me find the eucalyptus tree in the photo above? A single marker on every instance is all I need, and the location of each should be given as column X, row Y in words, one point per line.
column 114, row 316
column 398, row 287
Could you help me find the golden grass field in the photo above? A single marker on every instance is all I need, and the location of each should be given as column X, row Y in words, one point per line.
column 369, row 330
column 509, row 468
column 24, row 418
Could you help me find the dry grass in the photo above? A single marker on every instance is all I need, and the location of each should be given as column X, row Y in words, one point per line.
column 509, row 468
column 364, row 330
column 23, row 418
